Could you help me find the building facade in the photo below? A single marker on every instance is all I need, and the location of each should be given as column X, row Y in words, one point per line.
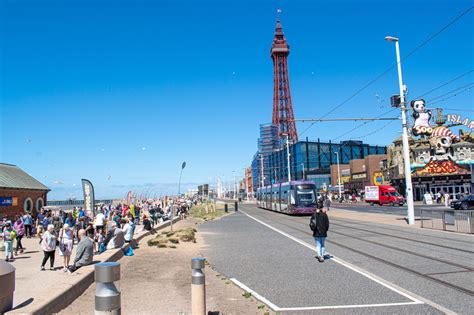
column 360, row 173
column 20, row 192
column 249, row 182
column 312, row 160
column 267, row 143
column 441, row 161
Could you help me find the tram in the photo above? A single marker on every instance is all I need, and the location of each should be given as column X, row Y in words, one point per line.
column 295, row 197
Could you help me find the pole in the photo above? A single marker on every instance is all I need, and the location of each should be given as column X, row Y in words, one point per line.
column 198, row 287
column 261, row 169
column 302, row 164
column 179, row 193
column 338, row 175
column 406, row 148
column 288, row 156
column 107, row 296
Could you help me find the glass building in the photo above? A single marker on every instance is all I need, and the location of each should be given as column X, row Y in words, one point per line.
column 267, row 144
column 312, row 159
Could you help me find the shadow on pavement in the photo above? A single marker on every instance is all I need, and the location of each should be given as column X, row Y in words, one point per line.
column 23, row 304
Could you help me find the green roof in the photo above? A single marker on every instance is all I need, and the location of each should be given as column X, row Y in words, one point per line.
column 11, row 176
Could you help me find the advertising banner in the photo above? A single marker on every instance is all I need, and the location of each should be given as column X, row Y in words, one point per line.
column 89, row 200
column 6, row 201
column 129, row 197
column 378, row 178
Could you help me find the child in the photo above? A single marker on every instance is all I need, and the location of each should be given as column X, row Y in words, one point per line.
column 39, row 233
column 8, row 235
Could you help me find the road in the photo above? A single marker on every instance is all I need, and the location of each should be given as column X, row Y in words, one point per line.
column 372, row 268
column 398, row 210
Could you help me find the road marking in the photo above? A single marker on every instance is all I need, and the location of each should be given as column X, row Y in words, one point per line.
column 405, row 293
column 256, row 295
column 279, row 309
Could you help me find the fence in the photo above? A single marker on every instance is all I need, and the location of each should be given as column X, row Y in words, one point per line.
column 461, row 221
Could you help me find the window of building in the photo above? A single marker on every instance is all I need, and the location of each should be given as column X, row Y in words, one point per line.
column 39, row 204
column 28, row 205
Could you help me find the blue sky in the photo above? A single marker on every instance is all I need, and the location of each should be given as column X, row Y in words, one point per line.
column 121, row 92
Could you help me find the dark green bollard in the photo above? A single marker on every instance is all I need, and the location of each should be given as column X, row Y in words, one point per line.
column 225, row 208
column 236, row 205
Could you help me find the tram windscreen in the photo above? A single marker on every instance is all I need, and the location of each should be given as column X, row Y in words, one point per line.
column 305, row 195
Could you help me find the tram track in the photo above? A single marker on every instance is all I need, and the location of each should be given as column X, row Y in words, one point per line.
column 384, row 261
column 408, row 232
column 404, row 238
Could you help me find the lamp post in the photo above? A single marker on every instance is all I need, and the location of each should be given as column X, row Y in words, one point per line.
column 288, row 154
column 302, row 164
column 338, row 174
column 262, row 182
column 406, row 148
column 179, row 193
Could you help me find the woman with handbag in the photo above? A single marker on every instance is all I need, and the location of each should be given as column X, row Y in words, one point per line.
column 66, row 240
column 48, row 245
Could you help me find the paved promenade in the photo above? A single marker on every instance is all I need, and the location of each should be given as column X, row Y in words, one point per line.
column 35, row 289
column 158, row 281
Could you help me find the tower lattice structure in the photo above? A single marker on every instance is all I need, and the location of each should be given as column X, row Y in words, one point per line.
column 283, row 115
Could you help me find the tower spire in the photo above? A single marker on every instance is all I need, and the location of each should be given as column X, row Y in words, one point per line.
column 283, row 115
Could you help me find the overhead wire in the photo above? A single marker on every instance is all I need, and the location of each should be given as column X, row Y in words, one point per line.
column 457, row 94
column 421, row 45
column 452, row 91
column 363, row 124
column 444, row 84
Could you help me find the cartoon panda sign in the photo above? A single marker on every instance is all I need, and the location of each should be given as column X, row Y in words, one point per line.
column 422, row 117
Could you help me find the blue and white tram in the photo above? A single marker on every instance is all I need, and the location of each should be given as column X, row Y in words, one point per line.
column 295, row 197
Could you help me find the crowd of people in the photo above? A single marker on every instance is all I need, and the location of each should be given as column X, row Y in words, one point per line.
column 108, row 227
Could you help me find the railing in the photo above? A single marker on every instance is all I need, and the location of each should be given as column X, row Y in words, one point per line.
column 461, row 221
column 74, row 202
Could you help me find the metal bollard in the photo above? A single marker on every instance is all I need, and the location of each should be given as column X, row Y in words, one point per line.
column 107, row 296
column 198, row 287
column 7, row 286
column 226, row 208
column 236, row 206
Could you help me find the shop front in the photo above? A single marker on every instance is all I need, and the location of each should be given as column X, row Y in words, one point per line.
column 441, row 161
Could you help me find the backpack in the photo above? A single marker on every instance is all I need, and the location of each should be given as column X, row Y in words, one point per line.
column 312, row 222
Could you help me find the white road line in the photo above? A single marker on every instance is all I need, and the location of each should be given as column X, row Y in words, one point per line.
column 280, row 309
column 255, row 294
column 407, row 294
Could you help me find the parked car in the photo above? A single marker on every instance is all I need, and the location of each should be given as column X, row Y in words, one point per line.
column 465, row 203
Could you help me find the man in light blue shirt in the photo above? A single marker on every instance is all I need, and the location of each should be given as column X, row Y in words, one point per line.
column 28, row 222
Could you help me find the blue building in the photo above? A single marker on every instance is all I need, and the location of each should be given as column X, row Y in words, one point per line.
column 267, row 144
column 312, row 159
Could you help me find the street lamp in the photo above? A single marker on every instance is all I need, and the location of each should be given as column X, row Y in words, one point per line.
column 338, row 174
column 179, row 193
column 288, row 154
column 406, row 148
column 302, row 164
column 262, row 182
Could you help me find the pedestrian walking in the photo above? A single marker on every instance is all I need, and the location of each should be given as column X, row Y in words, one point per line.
column 319, row 224
column 100, row 221
column 446, row 200
column 327, row 202
column 8, row 236
column 66, row 241
column 48, row 245
column 58, row 224
column 19, row 228
column 47, row 220
column 28, row 222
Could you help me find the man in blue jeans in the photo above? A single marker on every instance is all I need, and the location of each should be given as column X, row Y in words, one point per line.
column 319, row 224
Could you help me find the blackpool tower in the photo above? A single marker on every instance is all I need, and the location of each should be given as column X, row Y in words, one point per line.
column 283, row 115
